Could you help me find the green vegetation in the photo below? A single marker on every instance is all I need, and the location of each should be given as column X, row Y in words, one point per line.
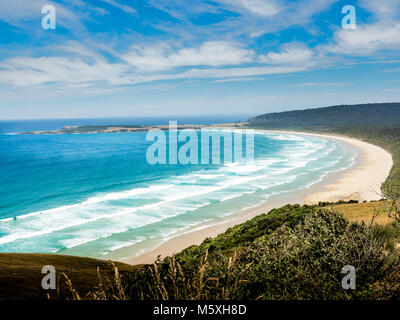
column 378, row 124
column 360, row 115
column 245, row 234
column 91, row 129
column 295, row 252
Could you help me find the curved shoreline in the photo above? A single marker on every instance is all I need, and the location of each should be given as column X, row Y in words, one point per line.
column 361, row 182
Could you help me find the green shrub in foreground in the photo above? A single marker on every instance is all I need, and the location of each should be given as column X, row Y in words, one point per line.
column 301, row 260
column 306, row 262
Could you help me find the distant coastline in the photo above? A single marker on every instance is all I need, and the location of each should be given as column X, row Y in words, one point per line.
column 125, row 128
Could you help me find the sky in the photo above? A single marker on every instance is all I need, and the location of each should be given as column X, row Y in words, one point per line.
column 111, row 58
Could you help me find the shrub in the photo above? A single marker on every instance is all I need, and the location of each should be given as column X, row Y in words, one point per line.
column 301, row 259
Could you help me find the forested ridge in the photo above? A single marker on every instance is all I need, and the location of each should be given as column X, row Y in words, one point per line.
column 374, row 114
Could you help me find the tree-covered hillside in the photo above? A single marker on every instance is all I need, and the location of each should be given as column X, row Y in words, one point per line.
column 377, row 123
column 376, row 114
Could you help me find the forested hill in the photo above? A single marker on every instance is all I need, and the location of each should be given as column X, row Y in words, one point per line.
column 374, row 114
column 377, row 123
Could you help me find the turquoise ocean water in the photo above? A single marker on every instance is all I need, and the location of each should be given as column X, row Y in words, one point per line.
column 95, row 195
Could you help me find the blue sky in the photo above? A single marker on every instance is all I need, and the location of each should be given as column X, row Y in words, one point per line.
column 178, row 57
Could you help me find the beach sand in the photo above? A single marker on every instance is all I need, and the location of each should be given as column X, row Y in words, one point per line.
column 361, row 182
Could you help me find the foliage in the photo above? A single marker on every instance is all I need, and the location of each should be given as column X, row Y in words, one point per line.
column 306, row 262
column 298, row 253
column 245, row 233
column 361, row 115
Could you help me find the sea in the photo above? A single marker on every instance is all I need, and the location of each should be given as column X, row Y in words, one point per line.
column 96, row 195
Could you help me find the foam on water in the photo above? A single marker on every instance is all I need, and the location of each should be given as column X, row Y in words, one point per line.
column 141, row 216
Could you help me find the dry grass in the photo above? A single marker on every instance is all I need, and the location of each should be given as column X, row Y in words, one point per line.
column 364, row 212
column 212, row 279
column 108, row 288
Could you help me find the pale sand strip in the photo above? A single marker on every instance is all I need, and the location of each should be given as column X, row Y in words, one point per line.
column 361, row 182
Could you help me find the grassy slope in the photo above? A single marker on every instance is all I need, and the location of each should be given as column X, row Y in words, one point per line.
column 20, row 274
column 363, row 212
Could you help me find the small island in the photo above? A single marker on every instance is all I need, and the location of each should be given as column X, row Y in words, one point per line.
column 126, row 128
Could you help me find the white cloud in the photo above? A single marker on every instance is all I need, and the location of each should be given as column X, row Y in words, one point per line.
column 27, row 71
column 260, row 7
column 290, row 54
column 256, row 17
column 162, row 57
column 381, row 9
column 79, row 65
column 125, row 8
column 21, row 12
column 367, row 39
column 225, row 73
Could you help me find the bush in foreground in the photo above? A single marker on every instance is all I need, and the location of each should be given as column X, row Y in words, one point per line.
column 302, row 258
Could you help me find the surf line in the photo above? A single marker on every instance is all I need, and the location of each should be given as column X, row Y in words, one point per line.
column 190, row 144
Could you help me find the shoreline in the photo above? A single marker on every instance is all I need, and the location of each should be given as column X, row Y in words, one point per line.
column 360, row 182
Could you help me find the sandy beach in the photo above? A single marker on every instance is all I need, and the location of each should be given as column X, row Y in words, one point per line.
column 361, row 182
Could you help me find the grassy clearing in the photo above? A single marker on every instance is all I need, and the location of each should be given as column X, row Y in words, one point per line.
column 364, row 212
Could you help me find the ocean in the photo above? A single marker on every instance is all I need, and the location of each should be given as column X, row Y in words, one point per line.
column 96, row 195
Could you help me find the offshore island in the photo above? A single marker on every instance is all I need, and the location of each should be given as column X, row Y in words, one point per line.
column 127, row 128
